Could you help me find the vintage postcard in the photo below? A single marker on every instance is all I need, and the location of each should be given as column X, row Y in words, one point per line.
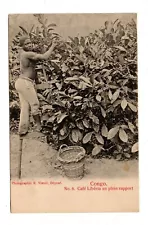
column 73, row 91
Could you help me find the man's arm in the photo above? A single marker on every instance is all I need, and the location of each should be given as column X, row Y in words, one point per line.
column 45, row 56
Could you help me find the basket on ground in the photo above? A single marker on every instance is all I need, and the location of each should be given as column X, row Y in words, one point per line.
column 72, row 160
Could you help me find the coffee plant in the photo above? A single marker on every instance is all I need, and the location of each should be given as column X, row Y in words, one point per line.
column 88, row 88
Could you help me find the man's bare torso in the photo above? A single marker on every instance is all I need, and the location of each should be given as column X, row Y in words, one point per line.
column 27, row 66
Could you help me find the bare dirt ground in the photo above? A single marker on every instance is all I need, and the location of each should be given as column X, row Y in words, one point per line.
column 39, row 160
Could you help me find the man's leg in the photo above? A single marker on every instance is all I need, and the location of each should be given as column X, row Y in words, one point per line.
column 37, row 120
column 27, row 90
column 24, row 116
column 34, row 105
column 31, row 96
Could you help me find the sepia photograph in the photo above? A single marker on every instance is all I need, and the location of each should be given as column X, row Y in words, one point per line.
column 73, row 97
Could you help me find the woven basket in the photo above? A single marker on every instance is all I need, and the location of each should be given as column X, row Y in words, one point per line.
column 72, row 160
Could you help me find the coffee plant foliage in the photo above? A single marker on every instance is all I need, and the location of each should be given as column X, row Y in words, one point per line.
column 88, row 88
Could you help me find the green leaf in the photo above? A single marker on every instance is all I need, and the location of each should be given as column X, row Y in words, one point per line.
column 131, row 126
column 64, row 67
column 112, row 132
column 81, row 49
column 87, row 80
column 71, row 91
column 14, row 104
column 31, row 30
column 96, row 127
column 107, row 72
column 115, row 96
column 51, row 119
column 110, row 95
column 80, row 135
column 62, row 132
column 99, row 138
column 119, row 156
column 50, row 29
column 95, row 119
column 124, row 104
column 46, row 107
column 136, row 122
column 45, row 117
column 86, row 123
column 109, row 77
column 96, row 150
column 103, row 112
column 132, row 107
column 77, row 104
column 98, row 97
column 61, row 138
column 124, row 126
column 75, row 135
column 102, row 62
column 52, row 25
column 127, row 155
column 59, row 86
column 120, row 48
column 61, row 117
column 90, row 114
column 24, row 30
column 125, row 81
column 108, row 54
column 125, row 37
column 87, row 137
column 59, row 103
column 122, row 135
column 135, row 148
column 80, row 125
column 77, row 97
column 41, row 97
column 71, row 125
column 104, row 131
column 116, row 103
column 86, row 40
column 83, row 85
column 113, row 86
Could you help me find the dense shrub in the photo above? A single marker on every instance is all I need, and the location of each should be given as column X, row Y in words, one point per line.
column 88, row 88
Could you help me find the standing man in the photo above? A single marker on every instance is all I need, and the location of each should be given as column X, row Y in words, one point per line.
column 25, row 84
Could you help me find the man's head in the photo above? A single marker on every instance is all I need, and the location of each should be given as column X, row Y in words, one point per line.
column 25, row 43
